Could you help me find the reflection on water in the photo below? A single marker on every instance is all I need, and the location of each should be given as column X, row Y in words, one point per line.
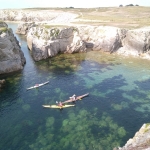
column 117, row 106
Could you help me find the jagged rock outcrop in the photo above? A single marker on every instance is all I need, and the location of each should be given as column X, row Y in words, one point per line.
column 11, row 56
column 73, row 39
column 104, row 38
column 137, row 43
column 141, row 140
column 48, row 42
column 37, row 16
column 23, row 28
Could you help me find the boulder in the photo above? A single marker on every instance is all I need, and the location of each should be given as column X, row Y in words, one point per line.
column 11, row 56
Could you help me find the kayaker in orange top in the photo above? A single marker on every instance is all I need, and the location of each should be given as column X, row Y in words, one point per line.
column 59, row 104
column 37, row 85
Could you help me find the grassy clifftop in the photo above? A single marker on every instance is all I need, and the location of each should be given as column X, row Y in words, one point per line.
column 128, row 17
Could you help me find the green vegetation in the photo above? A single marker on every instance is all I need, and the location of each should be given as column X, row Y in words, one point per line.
column 147, row 127
column 80, row 131
column 3, row 29
column 56, row 26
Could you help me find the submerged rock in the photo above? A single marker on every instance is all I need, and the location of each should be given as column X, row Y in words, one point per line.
column 11, row 56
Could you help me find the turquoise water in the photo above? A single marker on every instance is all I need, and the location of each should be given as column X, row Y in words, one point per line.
column 117, row 105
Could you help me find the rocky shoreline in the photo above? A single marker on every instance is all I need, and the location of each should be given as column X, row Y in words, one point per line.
column 140, row 141
column 47, row 40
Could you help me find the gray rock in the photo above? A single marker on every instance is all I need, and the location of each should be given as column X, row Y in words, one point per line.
column 11, row 56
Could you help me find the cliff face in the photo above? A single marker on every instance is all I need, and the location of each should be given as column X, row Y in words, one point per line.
column 141, row 140
column 47, row 42
column 11, row 56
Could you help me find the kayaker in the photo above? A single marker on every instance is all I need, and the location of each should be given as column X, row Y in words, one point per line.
column 37, row 85
column 73, row 98
column 59, row 104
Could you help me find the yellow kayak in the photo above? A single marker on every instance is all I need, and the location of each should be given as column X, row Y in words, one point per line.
column 56, row 106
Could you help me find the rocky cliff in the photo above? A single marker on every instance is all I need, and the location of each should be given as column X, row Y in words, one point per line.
column 141, row 140
column 46, row 41
column 11, row 56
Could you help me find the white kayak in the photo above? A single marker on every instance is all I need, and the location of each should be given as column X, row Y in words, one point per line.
column 56, row 106
column 37, row 85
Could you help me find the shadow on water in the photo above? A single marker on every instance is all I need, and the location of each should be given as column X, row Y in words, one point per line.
column 115, row 109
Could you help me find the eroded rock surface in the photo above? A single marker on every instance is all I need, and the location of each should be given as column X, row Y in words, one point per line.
column 103, row 38
column 46, row 43
column 137, row 43
column 11, row 56
column 141, row 140
column 100, row 38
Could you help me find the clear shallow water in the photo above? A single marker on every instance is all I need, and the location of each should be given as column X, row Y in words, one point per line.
column 117, row 106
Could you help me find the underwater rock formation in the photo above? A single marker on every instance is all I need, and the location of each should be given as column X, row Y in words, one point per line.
column 141, row 140
column 11, row 57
